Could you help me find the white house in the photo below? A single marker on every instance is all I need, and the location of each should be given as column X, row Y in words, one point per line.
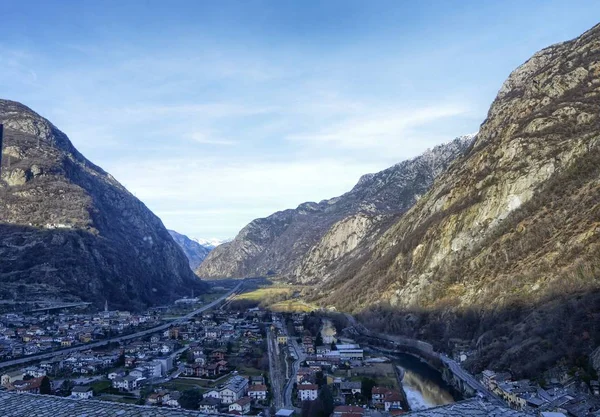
column 83, row 392
column 210, row 405
column 113, row 375
column 11, row 377
column 392, row 401
column 241, row 406
column 257, row 392
column 128, row 383
column 213, row 394
column 166, row 364
column 35, row 372
column 308, row 392
column 234, row 389
column 154, row 369
column 138, row 373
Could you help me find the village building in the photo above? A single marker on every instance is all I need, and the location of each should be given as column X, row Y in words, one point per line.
column 241, row 406
column 308, row 392
column 257, row 392
column 83, row 392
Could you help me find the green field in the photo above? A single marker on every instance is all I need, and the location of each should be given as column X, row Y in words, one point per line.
column 292, row 306
column 182, row 384
column 265, row 293
column 249, row 371
column 100, row 386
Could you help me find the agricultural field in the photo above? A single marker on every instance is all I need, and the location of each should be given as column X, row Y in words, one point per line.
column 292, row 306
column 267, row 293
column 182, row 384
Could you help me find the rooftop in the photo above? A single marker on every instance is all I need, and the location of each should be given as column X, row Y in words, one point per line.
column 25, row 405
column 469, row 408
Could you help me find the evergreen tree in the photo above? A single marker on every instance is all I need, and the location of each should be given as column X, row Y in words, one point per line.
column 319, row 339
column 366, row 386
column 190, row 399
column 46, row 387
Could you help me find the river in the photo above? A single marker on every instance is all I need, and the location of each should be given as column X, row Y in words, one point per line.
column 423, row 385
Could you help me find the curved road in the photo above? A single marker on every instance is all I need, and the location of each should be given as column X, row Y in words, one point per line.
column 143, row 333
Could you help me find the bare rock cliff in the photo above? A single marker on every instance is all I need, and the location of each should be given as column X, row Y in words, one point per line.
column 280, row 243
column 510, row 232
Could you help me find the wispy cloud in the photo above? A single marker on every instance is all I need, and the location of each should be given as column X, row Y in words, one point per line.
column 187, row 192
column 380, row 127
column 208, row 139
column 212, row 137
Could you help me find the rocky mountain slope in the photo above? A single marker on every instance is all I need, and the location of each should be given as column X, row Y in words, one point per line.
column 69, row 230
column 194, row 251
column 279, row 243
column 504, row 250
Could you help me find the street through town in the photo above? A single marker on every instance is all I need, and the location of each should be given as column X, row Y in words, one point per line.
column 187, row 317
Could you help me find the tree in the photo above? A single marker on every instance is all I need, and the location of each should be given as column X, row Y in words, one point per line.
column 320, row 379
column 306, row 409
column 333, row 346
column 366, row 386
column 45, row 386
column 67, row 385
column 121, row 361
column 319, row 339
column 190, row 399
column 323, row 406
column 229, row 347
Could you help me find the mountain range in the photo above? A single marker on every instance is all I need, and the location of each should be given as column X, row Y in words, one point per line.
column 195, row 249
column 498, row 250
column 70, row 231
column 281, row 244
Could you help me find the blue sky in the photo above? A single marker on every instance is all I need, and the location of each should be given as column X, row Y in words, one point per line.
column 215, row 113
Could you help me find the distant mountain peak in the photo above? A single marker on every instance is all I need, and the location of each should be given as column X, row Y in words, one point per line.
column 211, row 242
column 279, row 242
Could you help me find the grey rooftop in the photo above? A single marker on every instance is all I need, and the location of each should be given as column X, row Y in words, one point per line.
column 469, row 408
column 26, row 405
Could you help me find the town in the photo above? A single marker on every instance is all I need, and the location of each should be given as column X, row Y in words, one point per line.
column 221, row 355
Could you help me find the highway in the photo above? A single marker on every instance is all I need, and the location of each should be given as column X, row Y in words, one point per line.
column 143, row 333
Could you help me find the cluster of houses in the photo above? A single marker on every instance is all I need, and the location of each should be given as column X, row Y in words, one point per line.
column 196, row 349
column 22, row 334
column 236, row 396
column 559, row 398
column 325, row 359
column 29, row 386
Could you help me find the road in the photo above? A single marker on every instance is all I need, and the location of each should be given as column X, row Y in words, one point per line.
column 470, row 380
column 300, row 357
column 119, row 339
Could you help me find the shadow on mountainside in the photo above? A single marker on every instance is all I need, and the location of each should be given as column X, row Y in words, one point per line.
column 523, row 338
column 68, row 264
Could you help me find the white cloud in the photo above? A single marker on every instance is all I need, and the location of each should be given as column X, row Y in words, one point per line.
column 380, row 128
column 217, row 138
column 193, row 195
